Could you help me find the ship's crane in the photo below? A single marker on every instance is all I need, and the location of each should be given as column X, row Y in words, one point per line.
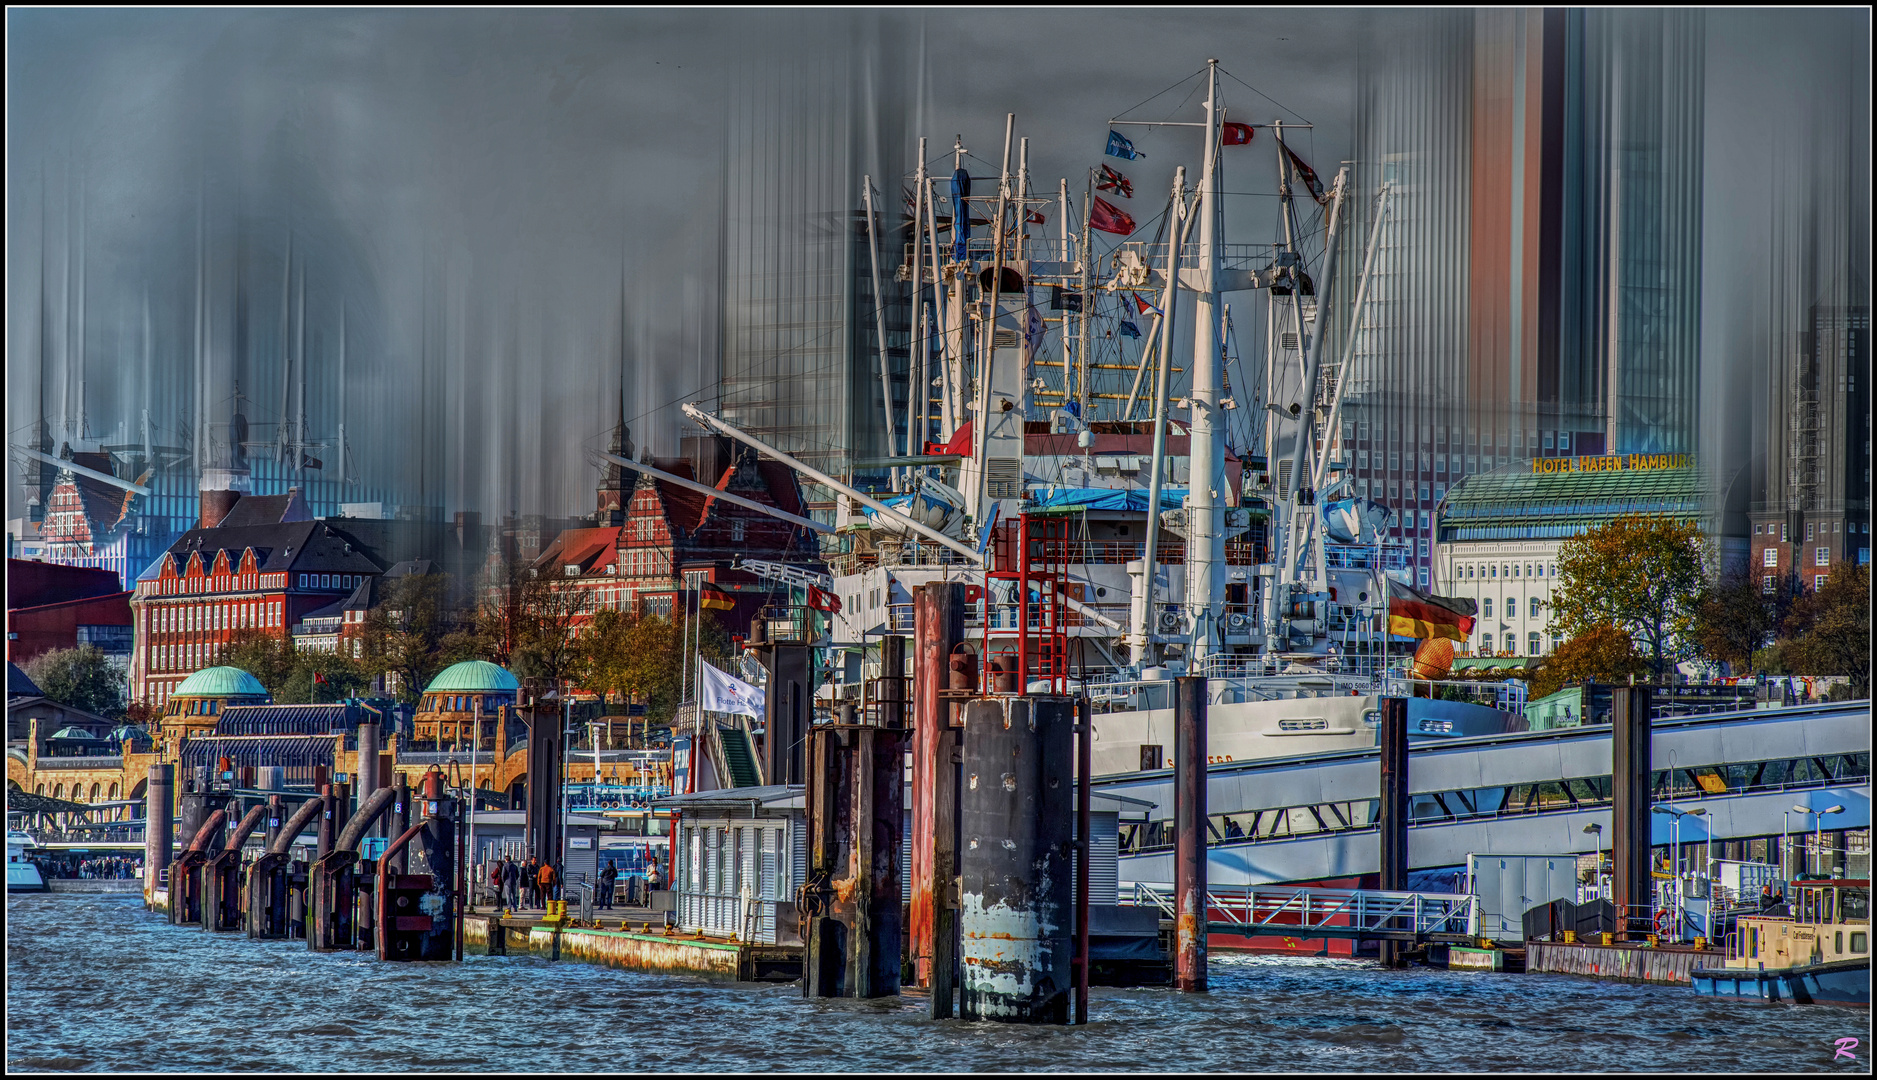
column 787, row 574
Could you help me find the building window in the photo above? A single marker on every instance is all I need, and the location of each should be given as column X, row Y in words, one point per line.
column 1423, row 574
column 1485, row 643
column 1531, row 643
column 1766, row 585
column 1512, row 607
column 1423, row 550
column 1440, row 492
column 1756, row 530
column 1818, row 582
column 1808, row 531
column 1492, row 571
column 1821, row 556
column 1769, row 557
column 736, row 531
column 1486, row 607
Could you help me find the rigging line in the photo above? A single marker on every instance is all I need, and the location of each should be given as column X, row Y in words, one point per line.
column 1182, row 104
column 1263, row 95
column 1169, row 89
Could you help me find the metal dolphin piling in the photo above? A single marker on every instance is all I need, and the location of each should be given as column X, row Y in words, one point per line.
column 221, row 877
column 185, row 879
column 272, row 899
column 333, row 881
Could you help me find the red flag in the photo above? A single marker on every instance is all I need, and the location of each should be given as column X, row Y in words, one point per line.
column 1033, row 216
column 1109, row 218
column 318, row 678
column 822, row 601
column 1145, row 307
column 1309, row 177
column 1235, row 134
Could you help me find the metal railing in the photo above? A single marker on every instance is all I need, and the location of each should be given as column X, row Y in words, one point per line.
column 1343, row 913
column 98, row 761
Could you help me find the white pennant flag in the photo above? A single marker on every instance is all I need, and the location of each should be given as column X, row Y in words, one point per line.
column 718, row 692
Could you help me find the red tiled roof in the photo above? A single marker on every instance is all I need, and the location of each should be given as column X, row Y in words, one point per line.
column 581, row 547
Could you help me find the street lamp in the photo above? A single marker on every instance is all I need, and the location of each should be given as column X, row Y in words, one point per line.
column 1818, row 822
column 1675, row 848
column 1596, row 876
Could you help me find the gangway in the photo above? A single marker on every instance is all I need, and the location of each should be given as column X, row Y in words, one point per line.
column 800, row 577
column 1346, row 914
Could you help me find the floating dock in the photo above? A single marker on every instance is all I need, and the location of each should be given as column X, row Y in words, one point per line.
column 1629, row 963
column 658, row 950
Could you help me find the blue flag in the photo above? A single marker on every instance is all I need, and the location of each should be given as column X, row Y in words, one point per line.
column 961, row 231
column 1128, row 329
column 1119, row 147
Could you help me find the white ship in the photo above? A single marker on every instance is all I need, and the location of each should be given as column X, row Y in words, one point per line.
column 22, row 875
column 1268, row 576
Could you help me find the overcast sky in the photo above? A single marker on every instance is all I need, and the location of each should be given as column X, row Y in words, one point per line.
column 502, row 170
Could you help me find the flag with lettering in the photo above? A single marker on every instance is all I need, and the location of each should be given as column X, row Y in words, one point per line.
column 1119, row 146
column 722, row 693
column 1235, row 134
column 1109, row 218
column 1114, row 181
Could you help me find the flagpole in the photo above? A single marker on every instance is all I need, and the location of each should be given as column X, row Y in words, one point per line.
column 1144, row 628
column 921, row 388
column 987, row 331
column 1082, row 260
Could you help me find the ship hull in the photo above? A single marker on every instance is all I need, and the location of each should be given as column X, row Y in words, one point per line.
column 1842, row 982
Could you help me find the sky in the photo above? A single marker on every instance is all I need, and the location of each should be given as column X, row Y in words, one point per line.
column 516, row 212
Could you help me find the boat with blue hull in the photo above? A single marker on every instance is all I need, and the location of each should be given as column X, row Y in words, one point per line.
column 1816, row 953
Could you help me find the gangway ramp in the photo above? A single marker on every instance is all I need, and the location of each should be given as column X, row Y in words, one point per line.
column 1347, row 914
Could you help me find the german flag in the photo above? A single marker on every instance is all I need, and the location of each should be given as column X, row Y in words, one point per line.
column 713, row 597
column 1413, row 613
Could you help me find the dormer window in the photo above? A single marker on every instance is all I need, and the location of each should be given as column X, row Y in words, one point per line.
column 571, row 570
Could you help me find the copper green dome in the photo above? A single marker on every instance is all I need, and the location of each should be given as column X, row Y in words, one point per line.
column 473, row 676
column 217, row 682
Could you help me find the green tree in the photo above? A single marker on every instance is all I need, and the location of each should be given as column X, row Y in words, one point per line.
column 1603, row 653
column 320, row 678
column 405, row 635
column 1829, row 630
column 268, row 656
column 1642, row 575
column 546, row 651
column 82, row 678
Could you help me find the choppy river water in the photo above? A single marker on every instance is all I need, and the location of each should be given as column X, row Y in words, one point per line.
column 97, row 983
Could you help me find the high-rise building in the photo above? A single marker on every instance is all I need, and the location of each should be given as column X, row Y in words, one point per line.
column 1536, row 285
column 801, row 359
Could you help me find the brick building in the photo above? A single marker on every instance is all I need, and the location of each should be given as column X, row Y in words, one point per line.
column 264, row 564
column 664, row 538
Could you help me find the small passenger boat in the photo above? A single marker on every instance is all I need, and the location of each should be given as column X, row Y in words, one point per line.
column 22, row 875
column 1817, row 954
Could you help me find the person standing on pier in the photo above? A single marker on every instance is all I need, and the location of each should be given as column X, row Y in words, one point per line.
column 548, row 879
column 530, row 881
column 607, row 877
column 511, row 882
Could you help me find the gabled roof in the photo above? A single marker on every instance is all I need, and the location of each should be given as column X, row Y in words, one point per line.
column 298, row 545
column 104, row 504
column 589, row 549
column 18, row 685
column 267, row 510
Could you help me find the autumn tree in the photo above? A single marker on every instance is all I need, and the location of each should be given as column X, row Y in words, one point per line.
column 1828, row 632
column 82, row 678
column 1642, row 575
column 1603, row 653
column 545, row 650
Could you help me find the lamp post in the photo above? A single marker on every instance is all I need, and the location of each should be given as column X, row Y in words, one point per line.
column 1596, row 876
column 1818, row 822
column 1675, row 861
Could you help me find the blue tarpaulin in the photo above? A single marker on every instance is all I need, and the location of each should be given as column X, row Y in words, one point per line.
column 1171, row 498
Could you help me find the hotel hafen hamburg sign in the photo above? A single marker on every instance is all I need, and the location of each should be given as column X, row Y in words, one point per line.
column 1613, row 463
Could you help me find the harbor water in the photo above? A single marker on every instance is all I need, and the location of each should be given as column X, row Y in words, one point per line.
column 96, row 983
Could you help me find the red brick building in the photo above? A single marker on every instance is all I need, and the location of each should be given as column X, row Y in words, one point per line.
column 265, row 565
column 669, row 538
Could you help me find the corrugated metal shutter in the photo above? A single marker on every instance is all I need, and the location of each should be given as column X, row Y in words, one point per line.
column 905, row 849
column 1104, row 864
column 583, row 862
column 748, row 880
column 798, row 857
column 771, row 882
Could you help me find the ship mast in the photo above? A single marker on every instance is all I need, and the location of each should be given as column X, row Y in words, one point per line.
column 1205, row 524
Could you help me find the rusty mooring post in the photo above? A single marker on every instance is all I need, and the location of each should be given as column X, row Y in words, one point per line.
column 1631, row 776
column 850, row 903
column 417, row 913
column 159, row 836
column 1392, row 816
column 328, row 827
column 400, row 820
column 939, row 613
column 1189, row 836
column 1016, row 882
column 274, row 903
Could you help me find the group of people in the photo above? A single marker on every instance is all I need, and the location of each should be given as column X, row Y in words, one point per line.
column 114, row 867
column 534, row 881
